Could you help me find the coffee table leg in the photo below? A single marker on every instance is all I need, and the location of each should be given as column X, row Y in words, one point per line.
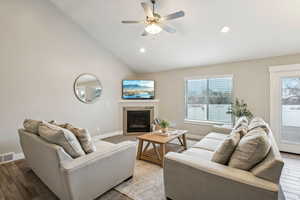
column 140, row 149
column 162, row 153
column 184, row 141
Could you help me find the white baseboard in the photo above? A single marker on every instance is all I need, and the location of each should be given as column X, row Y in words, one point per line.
column 106, row 135
column 19, row 156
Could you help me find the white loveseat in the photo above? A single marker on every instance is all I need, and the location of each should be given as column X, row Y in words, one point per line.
column 192, row 175
column 83, row 178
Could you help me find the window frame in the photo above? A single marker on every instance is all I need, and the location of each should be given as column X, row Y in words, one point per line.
column 205, row 122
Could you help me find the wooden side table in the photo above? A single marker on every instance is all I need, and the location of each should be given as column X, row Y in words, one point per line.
column 158, row 143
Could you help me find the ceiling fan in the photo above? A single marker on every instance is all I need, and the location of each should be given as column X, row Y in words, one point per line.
column 154, row 22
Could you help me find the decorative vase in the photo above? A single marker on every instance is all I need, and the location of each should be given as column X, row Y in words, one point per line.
column 164, row 130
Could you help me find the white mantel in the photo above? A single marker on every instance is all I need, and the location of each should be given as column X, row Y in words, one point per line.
column 137, row 103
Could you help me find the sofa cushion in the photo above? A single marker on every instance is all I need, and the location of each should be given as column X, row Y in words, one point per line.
column 83, row 137
column 61, row 137
column 199, row 153
column 251, row 150
column 207, row 144
column 32, row 126
column 258, row 122
column 216, row 136
column 226, row 148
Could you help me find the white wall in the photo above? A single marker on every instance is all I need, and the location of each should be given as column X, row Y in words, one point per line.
column 251, row 83
column 41, row 54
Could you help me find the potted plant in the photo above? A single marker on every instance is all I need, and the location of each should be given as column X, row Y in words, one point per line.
column 239, row 109
column 164, row 125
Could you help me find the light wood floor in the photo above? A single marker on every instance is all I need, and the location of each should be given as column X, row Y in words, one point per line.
column 18, row 182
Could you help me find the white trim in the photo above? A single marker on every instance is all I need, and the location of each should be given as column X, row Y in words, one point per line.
column 19, row 156
column 208, row 77
column 106, row 135
column 198, row 122
column 139, row 101
column 284, row 68
column 276, row 75
column 204, row 122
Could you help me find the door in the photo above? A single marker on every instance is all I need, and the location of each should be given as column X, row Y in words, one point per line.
column 285, row 106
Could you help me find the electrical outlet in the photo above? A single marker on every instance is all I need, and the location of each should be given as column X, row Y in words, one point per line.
column 98, row 130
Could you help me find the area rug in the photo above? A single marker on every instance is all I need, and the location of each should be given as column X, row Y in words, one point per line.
column 147, row 183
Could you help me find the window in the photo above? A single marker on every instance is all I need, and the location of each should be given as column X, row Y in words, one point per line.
column 209, row 99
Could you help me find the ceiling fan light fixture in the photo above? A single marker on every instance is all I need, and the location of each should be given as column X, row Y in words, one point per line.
column 153, row 28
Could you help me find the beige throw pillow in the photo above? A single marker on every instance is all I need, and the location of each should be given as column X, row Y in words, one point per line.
column 240, row 121
column 258, row 122
column 226, row 148
column 84, row 138
column 241, row 126
column 61, row 137
column 251, row 150
column 82, row 135
column 32, row 126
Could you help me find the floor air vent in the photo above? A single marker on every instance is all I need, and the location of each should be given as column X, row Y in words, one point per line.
column 7, row 157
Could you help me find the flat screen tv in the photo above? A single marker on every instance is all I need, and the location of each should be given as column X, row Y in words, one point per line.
column 138, row 89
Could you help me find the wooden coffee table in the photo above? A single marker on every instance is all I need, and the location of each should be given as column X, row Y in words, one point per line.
column 158, row 142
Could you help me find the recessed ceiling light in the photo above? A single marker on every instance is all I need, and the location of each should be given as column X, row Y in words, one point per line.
column 225, row 29
column 142, row 50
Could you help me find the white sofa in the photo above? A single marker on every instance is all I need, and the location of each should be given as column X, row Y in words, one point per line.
column 83, row 178
column 191, row 175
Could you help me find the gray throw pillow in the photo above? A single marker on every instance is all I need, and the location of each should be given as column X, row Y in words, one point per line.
column 61, row 137
column 226, row 148
column 32, row 126
column 84, row 138
column 252, row 149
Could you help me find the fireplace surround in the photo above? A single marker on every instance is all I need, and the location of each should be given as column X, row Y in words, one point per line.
column 137, row 119
column 140, row 106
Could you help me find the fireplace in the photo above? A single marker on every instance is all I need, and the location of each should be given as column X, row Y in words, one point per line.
column 137, row 119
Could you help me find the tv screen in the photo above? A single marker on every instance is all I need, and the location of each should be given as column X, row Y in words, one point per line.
column 138, row 89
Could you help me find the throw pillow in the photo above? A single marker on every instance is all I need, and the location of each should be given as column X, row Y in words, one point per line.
column 258, row 122
column 57, row 124
column 84, row 138
column 61, row 137
column 241, row 126
column 240, row 121
column 32, row 126
column 226, row 148
column 252, row 149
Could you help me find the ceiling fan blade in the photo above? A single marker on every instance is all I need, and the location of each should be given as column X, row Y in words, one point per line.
column 147, row 9
column 131, row 22
column 173, row 16
column 167, row 28
column 145, row 33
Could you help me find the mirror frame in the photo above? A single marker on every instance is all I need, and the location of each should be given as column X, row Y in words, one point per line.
column 74, row 87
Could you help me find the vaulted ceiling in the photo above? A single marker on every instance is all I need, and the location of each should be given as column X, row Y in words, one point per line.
column 259, row 28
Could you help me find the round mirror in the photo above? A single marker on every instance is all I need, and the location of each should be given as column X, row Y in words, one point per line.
column 87, row 88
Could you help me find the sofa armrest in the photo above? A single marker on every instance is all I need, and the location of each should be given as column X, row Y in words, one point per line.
column 89, row 176
column 204, row 179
